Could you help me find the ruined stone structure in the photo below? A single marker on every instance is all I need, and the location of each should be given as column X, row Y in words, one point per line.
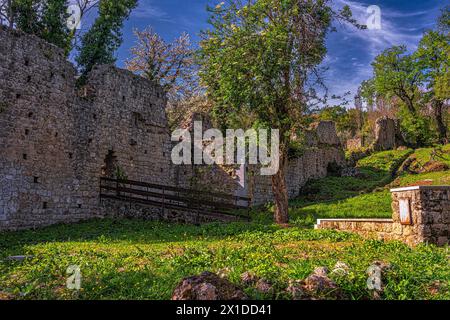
column 420, row 215
column 57, row 140
column 387, row 134
column 323, row 149
column 354, row 144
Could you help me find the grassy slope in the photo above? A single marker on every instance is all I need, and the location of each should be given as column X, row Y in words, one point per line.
column 425, row 155
column 337, row 197
column 145, row 260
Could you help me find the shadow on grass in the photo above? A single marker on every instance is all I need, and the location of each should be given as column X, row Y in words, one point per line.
column 135, row 230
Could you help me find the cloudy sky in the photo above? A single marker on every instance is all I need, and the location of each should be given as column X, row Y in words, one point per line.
column 350, row 51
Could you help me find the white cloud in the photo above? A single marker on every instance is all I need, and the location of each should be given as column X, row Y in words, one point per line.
column 147, row 10
column 368, row 43
column 378, row 40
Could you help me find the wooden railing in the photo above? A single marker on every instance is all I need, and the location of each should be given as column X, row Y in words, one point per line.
column 168, row 197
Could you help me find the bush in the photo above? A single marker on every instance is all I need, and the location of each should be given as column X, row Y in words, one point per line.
column 417, row 129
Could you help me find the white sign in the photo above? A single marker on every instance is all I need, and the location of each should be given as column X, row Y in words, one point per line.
column 405, row 211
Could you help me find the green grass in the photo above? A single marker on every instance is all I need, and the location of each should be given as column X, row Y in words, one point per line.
column 132, row 259
column 386, row 161
column 425, row 155
column 377, row 171
column 365, row 197
column 432, row 178
column 356, row 207
column 146, row 260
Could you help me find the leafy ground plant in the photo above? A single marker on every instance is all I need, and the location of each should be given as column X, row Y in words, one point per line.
column 122, row 259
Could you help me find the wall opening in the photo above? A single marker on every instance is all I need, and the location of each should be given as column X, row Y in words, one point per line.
column 137, row 117
column 109, row 165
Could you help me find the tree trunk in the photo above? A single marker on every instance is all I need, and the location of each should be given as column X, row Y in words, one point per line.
column 410, row 105
column 438, row 107
column 280, row 192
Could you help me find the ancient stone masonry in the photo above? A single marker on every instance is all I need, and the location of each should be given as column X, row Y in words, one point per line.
column 56, row 141
column 387, row 134
column 323, row 149
column 420, row 214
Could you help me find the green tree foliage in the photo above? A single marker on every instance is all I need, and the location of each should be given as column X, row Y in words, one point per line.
column 396, row 74
column 45, row 19
column 368, row 92
column 104, row 38
column 346, row 120
column 416, row 129
column 433, row 56
column 420, row 80
column 256, row 59
column 444, row 20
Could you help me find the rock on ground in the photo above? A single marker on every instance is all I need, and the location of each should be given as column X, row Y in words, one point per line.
column 317, row 286
column 207, row 286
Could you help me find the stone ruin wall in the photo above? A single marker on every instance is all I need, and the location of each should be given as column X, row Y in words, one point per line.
column 54, row 140
column 387, row 135
column 429, row 218
column 430, row 214
column 323, row 149
column 36, row 172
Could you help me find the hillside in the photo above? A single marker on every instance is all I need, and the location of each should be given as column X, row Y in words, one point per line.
column 368, row 196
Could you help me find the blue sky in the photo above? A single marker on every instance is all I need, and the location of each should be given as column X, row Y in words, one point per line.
column 350, row 51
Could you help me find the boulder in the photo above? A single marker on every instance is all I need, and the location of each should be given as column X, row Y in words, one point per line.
column 264, row 286
column 378, row 269
column 207, row 286
column 434, row 166
column 352, row 172
column 317, row 286
column 248, row 278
